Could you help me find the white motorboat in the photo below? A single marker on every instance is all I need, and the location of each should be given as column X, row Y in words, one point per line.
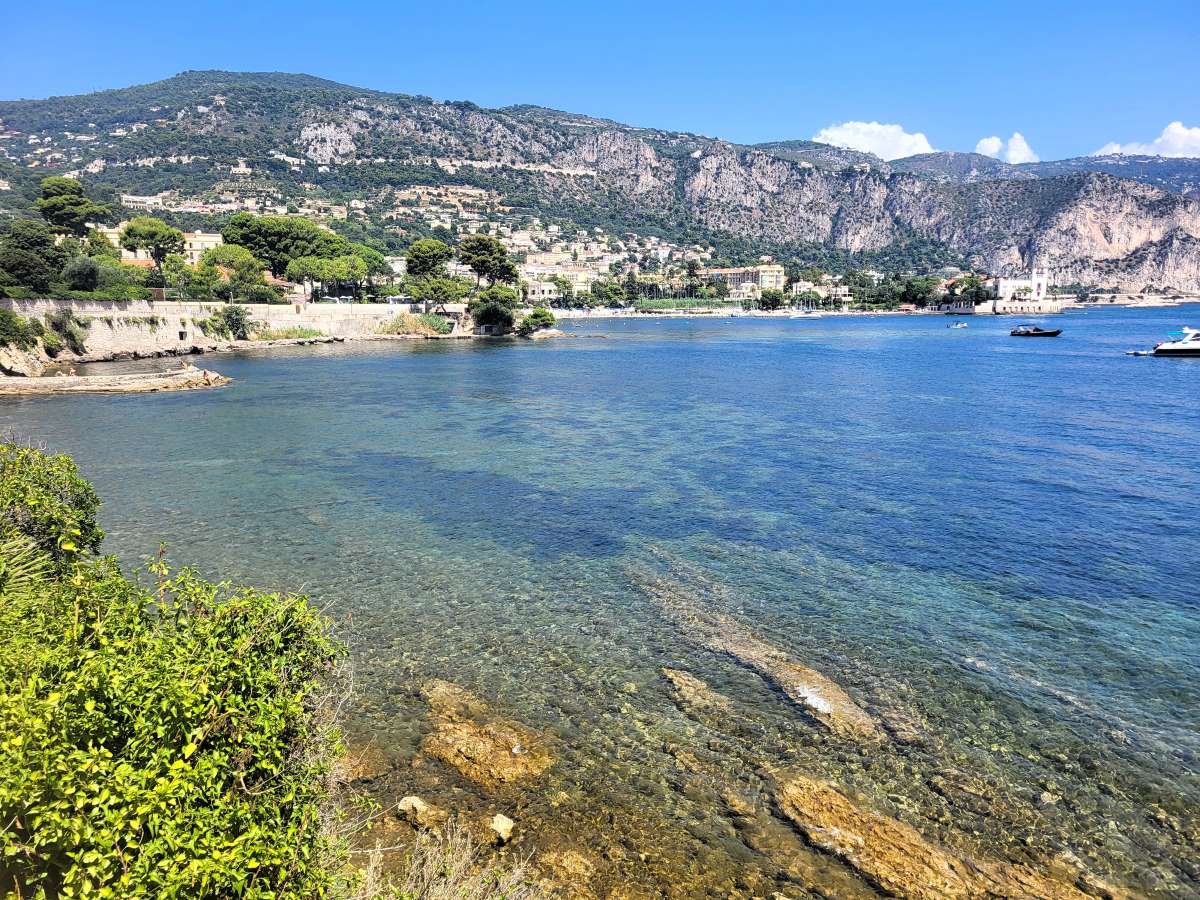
column 1185, row 342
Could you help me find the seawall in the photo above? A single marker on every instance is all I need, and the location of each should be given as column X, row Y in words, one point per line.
column 120, row 330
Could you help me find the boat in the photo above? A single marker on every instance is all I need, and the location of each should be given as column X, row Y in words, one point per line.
column 1185, row 342
column 1034, row 331
column 957, row 325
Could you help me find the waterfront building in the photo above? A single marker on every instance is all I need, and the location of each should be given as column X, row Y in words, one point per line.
column 743, row 279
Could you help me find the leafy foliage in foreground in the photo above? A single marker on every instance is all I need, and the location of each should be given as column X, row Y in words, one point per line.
column 171, row 743
column 44, row 499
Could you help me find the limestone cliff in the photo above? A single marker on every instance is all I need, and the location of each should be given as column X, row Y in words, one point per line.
column 1082, row 223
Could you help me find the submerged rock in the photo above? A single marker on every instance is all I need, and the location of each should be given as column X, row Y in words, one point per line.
column 362, row 764
column 486, row 748
column 820, row 698
column 895, row 857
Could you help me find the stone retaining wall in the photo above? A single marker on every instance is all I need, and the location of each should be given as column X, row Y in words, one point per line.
column 145, row 328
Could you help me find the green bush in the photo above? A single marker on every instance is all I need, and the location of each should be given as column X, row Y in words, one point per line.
column 70, row 328
column 44, row 499
column 172, row 742
column 17, row 331
column 260, row 293
column 536, row 320
column 230, row 321
column 82, row 273
column 436, row 323
column 162, row 745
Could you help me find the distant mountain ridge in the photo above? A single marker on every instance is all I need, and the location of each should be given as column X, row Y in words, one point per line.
column 189, row 132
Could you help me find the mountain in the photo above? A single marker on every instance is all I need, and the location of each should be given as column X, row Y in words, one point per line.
column 1182, row 176
column 824, row 156
column 959, row 168
column 300, row 134
column 1179, row 176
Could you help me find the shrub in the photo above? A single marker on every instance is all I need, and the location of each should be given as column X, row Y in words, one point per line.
column 17, row 331
column 172, row 743
column 44, row 499
column 231, row 321
column 70, row 328
column 82, row 273
column 437, row 324
column 260, row 293
column 535, row 321
column 165, row 744
column 426, row 324
column 263, row 333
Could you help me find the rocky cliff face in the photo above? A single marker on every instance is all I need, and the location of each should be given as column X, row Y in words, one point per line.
column 1084, row 225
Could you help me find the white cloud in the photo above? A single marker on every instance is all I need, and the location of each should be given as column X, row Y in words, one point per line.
column 1017, row 150
column 990, row 146
column 1176, row 140
column 885, row 141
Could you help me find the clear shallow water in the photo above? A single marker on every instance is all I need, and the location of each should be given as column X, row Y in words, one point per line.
column 990, row 539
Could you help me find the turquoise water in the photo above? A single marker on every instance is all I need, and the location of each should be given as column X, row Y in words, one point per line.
column 989, row 541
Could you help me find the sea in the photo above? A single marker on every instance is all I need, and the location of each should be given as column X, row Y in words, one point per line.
column 991, row 544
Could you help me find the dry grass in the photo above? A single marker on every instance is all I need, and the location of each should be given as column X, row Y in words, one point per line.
column 425, row 324
column 447, row 867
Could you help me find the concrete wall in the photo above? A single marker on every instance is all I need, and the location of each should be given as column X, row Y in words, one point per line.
column 143, row 327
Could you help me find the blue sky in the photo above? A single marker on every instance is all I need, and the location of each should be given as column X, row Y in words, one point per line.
column 1069, row 77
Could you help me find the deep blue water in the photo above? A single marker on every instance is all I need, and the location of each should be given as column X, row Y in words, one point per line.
column 995, row 538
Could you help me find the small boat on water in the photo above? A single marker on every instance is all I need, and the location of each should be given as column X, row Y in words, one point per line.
column 1185, row 342
column 1034, row 331
column 957, row 325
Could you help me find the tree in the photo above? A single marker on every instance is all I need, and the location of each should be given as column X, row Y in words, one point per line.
column 375, row 261
column 34, row 237
column 82, row 273
column 277, row 240
column 537, row 320
column 566, row 291
column 154, row 236
column 176, row 272
column 66, row 209
column 436, row 292
column 23, row 268
column 308, row 270
column 486, row 257
column 771, row 298
column 97, row 244
column 494, row 307
column 427, row 258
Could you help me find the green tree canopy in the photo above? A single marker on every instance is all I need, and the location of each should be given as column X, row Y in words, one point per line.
column 154, row 236
column 277, row 240
column 486, row 257
column 435, row 292
column 494, row 306
column 66, row 209
column 427, row 258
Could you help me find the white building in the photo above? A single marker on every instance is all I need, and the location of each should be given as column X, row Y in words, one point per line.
column 1033, row 288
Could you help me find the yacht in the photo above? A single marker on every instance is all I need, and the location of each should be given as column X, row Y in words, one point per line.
column 1034, row 331
column 1185, row 342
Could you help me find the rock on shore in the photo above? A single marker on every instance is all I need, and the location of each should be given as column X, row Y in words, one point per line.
column 139, row 383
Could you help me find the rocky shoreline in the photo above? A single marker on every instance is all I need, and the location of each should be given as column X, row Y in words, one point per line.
column 185, row 379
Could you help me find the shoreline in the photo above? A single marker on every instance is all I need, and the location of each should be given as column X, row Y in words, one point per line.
column 185, row 379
